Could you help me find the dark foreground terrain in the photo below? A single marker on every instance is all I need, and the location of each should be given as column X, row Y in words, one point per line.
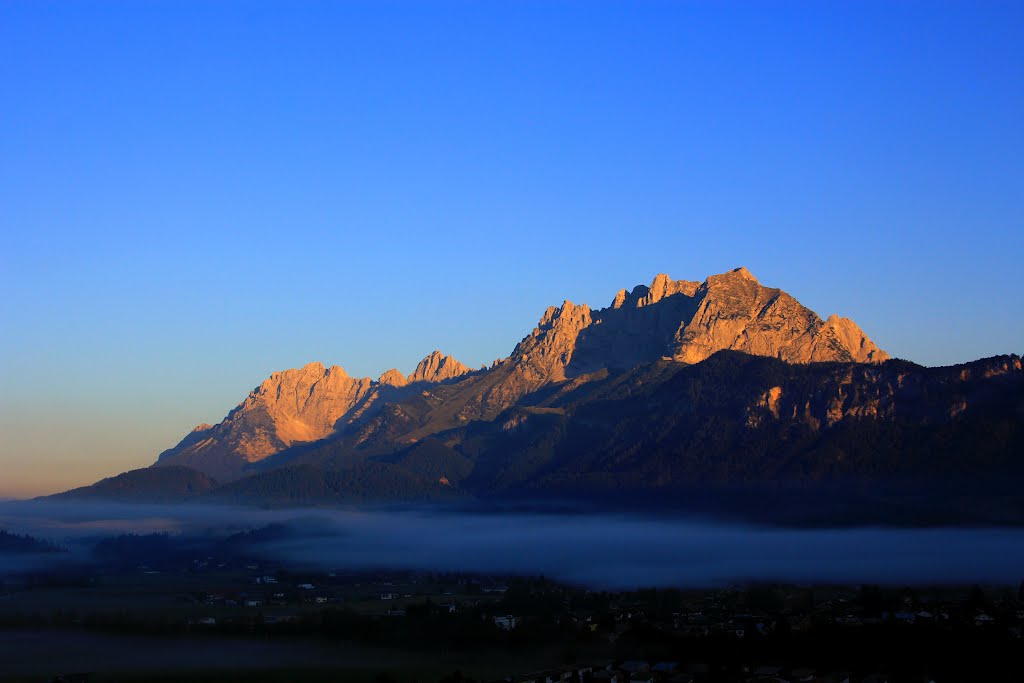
column 188, row 616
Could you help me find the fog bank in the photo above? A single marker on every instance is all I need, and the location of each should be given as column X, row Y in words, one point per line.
column 599, row 551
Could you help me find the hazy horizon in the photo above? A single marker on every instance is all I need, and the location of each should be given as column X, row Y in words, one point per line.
column 608, row 551
column 194, row 196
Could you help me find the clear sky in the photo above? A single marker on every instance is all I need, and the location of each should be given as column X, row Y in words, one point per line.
column 196, row 194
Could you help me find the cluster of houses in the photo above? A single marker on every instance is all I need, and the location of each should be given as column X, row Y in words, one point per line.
column 638, row 671
column 731, row 613
column 673, row 672
column 269, row 594
column 716, row 617
column 506, row 622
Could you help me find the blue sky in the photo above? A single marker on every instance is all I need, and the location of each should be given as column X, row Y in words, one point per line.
column 195, row 194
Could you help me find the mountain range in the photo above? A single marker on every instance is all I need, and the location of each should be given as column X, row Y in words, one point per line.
column 723, row 396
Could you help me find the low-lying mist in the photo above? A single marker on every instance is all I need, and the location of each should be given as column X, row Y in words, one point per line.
column 599, row 551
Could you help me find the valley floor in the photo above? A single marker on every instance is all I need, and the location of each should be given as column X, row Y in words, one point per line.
column 35, row 655
column 147, row 626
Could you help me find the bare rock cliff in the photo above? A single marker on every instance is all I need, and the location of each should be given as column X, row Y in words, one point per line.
column 736, row 312
column 293, row 407
column 394, row 378
column 437, row 367
column 681, row 320
column 687, row 321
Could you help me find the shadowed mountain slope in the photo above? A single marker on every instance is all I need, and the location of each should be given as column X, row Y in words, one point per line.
column 170, row 484
column 731, row 419
column 736, row 434
column 678, row 392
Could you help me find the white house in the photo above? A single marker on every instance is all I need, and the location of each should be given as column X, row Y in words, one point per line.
column 506, row 622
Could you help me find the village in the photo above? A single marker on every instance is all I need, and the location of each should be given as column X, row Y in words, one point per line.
column 763, row 632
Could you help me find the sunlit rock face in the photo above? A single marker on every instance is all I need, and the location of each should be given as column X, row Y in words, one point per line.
column 678, row 320
column 688, row 321
column 394, row 378
column 297, row 406
column 437, row 367
column 737, row 313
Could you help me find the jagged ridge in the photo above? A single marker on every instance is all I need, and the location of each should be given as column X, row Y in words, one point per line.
column 294, row 407
column 685, row 321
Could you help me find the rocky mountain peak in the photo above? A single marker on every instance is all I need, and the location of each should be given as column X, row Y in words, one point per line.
column 438, row 367
column 336, row 371
column 849, row 336
column 737, row 312
column 560, row 315
column 687, row 321
column 393, row 377
column 661, row 287
column 739, row 279
column 310, row 372
column 681, row 320
column 743, row 273
column 544, row 354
